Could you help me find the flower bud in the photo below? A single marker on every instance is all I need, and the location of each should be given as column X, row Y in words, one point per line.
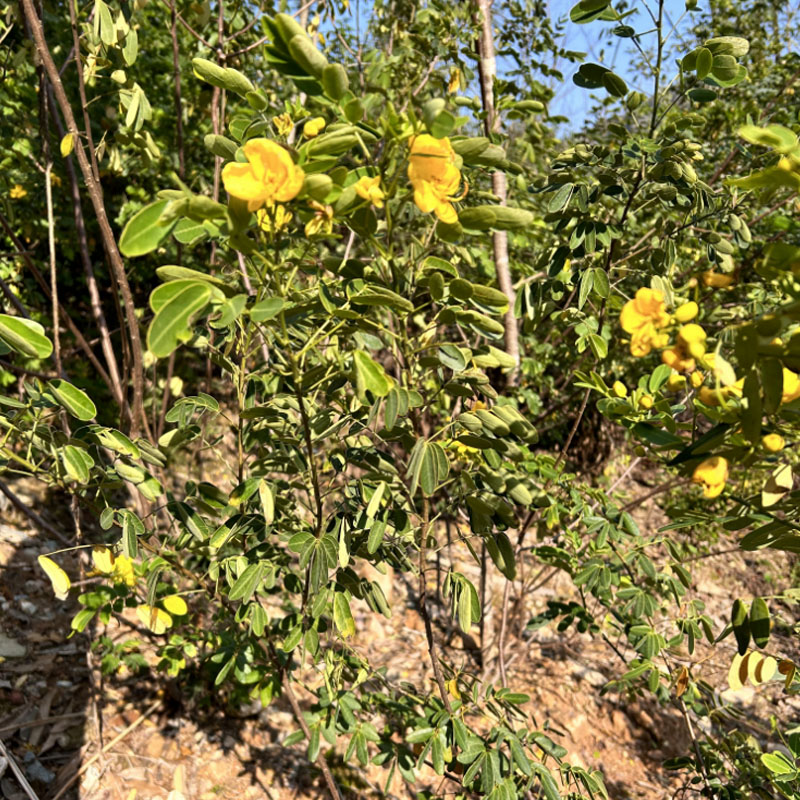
column 773, row 442
column 686, row 312
column 646, row 401
column 619, row 389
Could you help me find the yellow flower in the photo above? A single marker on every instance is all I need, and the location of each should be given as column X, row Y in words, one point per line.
column 791, row 386
column 676, row 382
column 435, row 177
column 370, row 189
column 455, row 80
column 773, row 442
column 283, row 124
column 273, row 219
column 619, row 389
column 642, row 317
column 269, row 176
column 313, row 127
column 687, row 312
column 322, row 221
column 717, row 280
column 690, row 345
column 697, row 379
column 712, row 474
column 709, row 397
column 119, row 568
column 17, row 192
column 646, row 401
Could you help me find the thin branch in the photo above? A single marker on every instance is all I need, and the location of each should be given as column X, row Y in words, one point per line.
column 333, row 789
column 487, row 68
column 137, row 418
column 94, row 294
column 33, row 516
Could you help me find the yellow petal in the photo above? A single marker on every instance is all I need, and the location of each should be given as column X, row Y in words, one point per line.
column 446, row 213
column 424, row 197
column 103, row 559
column 59, row 578
column 292, row 183
column 154, row 619
column 241, row 182
column 175, row 604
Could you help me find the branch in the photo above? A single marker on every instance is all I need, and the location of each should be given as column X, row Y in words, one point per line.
column 137, row 417
column 487, row 67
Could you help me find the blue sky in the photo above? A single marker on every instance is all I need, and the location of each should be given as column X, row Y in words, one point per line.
column 611, row 51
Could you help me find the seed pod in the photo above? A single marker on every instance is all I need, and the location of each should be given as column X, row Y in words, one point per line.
column 485, row 361
column 505, row 360
column 470, row 421
column 202, row 207
column 307, row 56
column 492, row 423
column 487, row 296
column 461, row 289
column 223, row 77
column 288, row 27
column 471, row 148
column 317, row 186
column 221, row 146
column 335, row 81
column 495, row 480
column 520, row 495
column 689, row 174
column 500, row 217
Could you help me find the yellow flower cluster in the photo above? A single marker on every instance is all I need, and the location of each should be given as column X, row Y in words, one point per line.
column 643, row 318
column 118, row 568
column 370, row 189
column 435, row 177
column 712, row 474
column 269, row 176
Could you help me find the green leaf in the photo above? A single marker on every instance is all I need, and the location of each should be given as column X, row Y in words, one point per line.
column 144, row 232
column 342, row 616
column 549, row 786
column 246, row 584
column 171, row 323
column 778, row 763
column 560, row 200
column 369, row 377
column 73, row 399
column 759, row 622
column 740, row 621
column 77, row 463
column 24, row 336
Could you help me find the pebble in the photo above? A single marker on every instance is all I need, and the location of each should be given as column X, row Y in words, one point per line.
column 11, row 648
column 36, row 771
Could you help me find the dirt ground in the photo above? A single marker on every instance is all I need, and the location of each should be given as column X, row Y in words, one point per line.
column 74, row 735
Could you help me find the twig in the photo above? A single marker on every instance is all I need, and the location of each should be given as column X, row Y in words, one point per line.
column 135, row 724
column 18, row 773
column 137, row 418
column 487, row 68
column 31, row 514
column 74, row 330
column 91, row 282
column 423, row 606
column 321, row 762
column 35, row 723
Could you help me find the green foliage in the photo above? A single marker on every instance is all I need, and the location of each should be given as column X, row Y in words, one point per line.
column 328, row 388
